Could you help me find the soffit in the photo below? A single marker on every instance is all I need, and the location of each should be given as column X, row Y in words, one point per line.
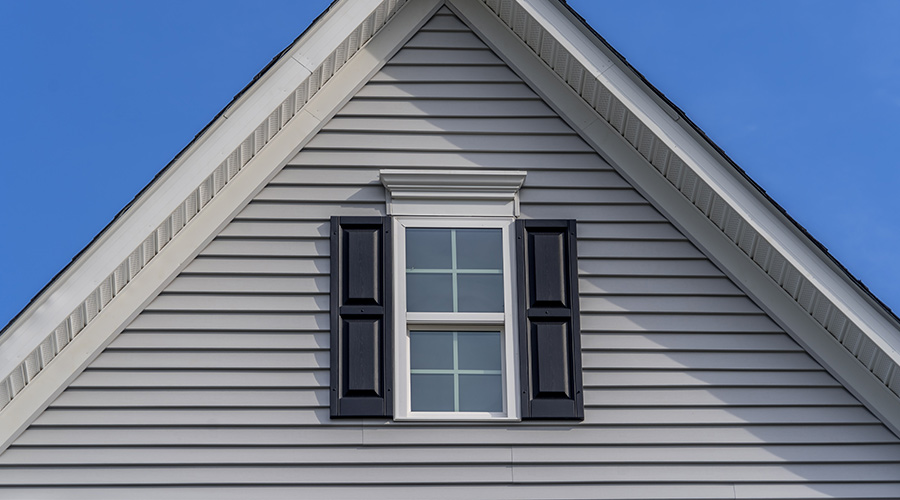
column 174, row 198
column 710, row 182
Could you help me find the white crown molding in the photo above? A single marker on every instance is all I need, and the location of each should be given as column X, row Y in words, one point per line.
column 453, row 192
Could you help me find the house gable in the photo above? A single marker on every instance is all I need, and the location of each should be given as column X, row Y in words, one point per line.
column 219, row 387
column 774, row 260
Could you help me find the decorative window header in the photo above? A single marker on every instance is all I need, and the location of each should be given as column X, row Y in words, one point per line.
column 491, row 193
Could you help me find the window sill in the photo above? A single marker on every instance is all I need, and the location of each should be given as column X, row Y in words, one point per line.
column 455, row 417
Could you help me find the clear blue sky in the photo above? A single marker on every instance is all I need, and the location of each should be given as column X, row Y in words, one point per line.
column 98, row 96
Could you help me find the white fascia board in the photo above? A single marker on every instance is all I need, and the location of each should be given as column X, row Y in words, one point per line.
column 178, row 181
column 160, row 271
column 678, row 208
column 178, row 253
column 329, row 32
column 568, row 36
column 307, row 53
column 722, row 178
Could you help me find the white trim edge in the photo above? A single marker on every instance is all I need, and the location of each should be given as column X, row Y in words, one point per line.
column 60, row 313
column 868, row 335
column 492, row 193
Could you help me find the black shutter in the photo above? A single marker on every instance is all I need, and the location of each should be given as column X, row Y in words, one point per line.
column 549, row 330
column 361, row 340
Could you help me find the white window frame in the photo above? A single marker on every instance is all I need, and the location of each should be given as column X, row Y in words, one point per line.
column 504, row 322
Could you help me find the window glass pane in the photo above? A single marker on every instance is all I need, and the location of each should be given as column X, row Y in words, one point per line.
column 479, row 249
column 480, row 292
column 429, row 292
column 480, row 393
column 431, row 392
column 479, row 350
column 428, row 248
column 431, row 350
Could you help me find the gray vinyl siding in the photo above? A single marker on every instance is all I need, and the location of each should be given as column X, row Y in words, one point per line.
column 220, row 388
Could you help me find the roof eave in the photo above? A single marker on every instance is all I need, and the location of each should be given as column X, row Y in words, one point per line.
column 808, row 279
column 85, row 285
column 739, row 173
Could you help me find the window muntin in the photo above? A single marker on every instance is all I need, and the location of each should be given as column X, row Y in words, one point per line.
column 454, row 270
column 454, row 293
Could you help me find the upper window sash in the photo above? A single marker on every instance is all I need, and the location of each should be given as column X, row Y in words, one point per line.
column 508, row 271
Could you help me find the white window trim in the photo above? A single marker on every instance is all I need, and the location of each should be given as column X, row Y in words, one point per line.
column 454, row 198
column 453, row 192
column 505, row 321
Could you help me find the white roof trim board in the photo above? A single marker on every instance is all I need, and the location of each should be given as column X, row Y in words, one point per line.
column 26, row 361
column 680, row 155
column 809, row 278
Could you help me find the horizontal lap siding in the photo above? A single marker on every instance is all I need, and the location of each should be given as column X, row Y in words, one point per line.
column 220, row 387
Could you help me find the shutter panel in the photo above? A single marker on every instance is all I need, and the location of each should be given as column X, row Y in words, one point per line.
column 549, row 330
column 361, row 341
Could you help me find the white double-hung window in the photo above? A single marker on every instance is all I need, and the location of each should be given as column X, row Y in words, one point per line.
column 455, row 326
column 454, row 282
column 451, row 308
